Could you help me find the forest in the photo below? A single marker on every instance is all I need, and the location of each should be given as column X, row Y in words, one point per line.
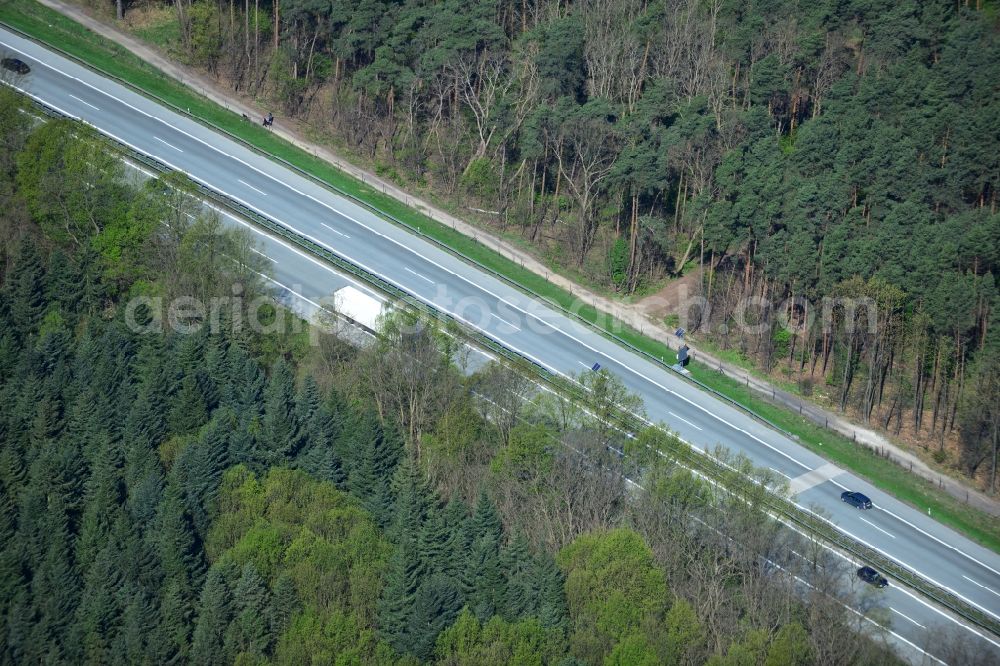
column 781, row 152
column 225, row 495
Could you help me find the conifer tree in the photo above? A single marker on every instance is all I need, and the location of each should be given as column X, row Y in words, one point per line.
column 376, row 452
column 103, row 501
column 436, row 605
column 285, row 604
column 26, row 289
column 412, row 502
column 483, row 582
column 279, row 435
column 175, row 542
column 145, row 429
column 188, row 411
column 521, row 580
column 244, row 386
column 215, row 612
column 395, row 605
column 437, row 543
column 199, row 468
column 92, row 632
column 249, row 634
column 56, row 584
column 551, row 607
column 172, row 639
column 135, row 639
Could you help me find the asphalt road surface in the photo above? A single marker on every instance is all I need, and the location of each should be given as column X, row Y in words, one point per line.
column 526, row 326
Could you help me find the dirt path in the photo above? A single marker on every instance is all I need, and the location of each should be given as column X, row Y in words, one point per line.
column 635, row 315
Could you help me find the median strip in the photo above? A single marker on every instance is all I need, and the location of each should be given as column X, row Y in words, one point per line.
column 55, row 28
column 774, row 504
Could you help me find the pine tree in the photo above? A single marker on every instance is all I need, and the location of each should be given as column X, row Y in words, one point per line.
column 144, row 497
column 375, row 454
column 188, row 411
column 485, row 522
column 21, row 621
column 200, row 466
column 249, row 633
column 103, row 501
column 308, row 400
column 175, row 542
column 279, row 433
column 91, row 634
column 318, row 431
column 522, row 593
column 285, row 604
column 436, row 605
column 55, row 587
column 244, row 386
column 63, row 282
column 26, row 289
column 483, row 582
column 412, row 502
column 551, row 607
column 171, row 641
column 437, row 544
column 145, row 429
column 137, row 630
column 215, row 612
column 395, row 605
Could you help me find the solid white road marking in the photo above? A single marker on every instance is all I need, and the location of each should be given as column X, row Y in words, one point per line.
column 841, row 555
column 572, row 337
column 252, row 187
column 754, row 437
column 340, row 233
column 907, row 617
column 980, row 585
column 778, row 471
column 168, row 144
column 256, row 251
column 924, row 532
column 877, row 527
column 684, row 419
column 413, row 272
column 84, row 102
column 504, row 321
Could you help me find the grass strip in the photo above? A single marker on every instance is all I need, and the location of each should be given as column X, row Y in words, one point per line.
column 863, row 461
column 51, row 27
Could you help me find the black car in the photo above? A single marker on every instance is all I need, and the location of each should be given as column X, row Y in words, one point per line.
column 872, row 577
column 16, row 65
column 856, row 499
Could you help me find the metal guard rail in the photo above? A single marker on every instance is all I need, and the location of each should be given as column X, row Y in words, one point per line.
column 627, row 422
column 416, row 230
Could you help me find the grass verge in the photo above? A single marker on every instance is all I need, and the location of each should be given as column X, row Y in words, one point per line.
column 864, row 462
column 51, row 27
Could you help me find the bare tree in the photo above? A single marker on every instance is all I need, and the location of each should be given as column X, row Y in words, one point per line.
column 502, row 393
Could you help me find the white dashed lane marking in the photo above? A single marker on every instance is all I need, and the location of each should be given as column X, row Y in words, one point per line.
column 252, row 187
column 169, row 145
column 84, row 102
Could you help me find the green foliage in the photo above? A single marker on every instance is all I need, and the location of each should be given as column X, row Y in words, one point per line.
column 618, row 260
column 163, row 500
column 790, row 646
column 480, row 177
column 498, row 642
column 612, row 587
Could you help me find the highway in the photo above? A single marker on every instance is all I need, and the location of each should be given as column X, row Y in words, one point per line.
column 527, row 326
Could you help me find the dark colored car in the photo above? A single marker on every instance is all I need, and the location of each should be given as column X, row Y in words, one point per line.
column 856, row 499
column 872, row 577
column 16, row 65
